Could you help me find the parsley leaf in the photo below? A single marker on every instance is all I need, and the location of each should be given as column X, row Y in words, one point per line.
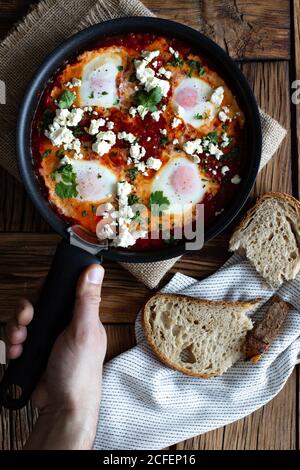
column 91, row 95
column 60, row 154
column 158, row 199
column 104, row 93
column 212, row 137
column 133, row 199
column 67, row 186
column 136, row 216
column 46, row 120
column 77, row 130
column 148, row 100
column 120, row 68
column 94, row 209
column 66, row 99
column 132, row 173
column 198, row 116
column 195, row 65
column 164, row 141
column 46, row 153
column 177, row 61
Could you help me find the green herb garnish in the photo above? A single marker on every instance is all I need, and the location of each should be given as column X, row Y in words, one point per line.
column 84, row 213
column 67, row 186
column 177, row 61
column 46, row 153
column 66, row 99
column 104, row 93
column 46, row 120
column 77, row 130
column 195, row 65
column 91, row 95
column 212, row 137
column 158, row 202
column 148, row 100
column 132, row 173
column 133, row 199
column 60, row 154
column 198, row 116
column 233, row 153
column 164, row 141
column 120, row 68
column 117, row 101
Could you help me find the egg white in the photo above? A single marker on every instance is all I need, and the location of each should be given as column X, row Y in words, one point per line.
column 188, row 193
column 95, row 182
column 98, row 87
column 191, row 97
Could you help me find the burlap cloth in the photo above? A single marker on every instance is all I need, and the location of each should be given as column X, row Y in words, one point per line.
column 45, row 27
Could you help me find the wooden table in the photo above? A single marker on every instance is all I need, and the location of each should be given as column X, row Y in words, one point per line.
column 264, row 36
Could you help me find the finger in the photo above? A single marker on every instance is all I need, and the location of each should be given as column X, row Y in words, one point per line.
column 16, row 334
column 88, row 296
column 14, row 351
column 24, row 313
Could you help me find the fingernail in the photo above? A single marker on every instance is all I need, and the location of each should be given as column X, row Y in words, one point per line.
column 95, row 275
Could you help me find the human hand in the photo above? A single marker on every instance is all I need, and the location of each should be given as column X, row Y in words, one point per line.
column 68, row 395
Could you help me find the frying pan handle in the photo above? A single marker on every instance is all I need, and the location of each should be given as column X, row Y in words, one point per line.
column 52, row 313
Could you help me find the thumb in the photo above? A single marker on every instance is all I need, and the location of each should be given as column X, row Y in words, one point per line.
column 88, row 296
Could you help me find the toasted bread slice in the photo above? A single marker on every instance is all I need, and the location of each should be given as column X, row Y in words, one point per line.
column 198, row 337
column 269, row 236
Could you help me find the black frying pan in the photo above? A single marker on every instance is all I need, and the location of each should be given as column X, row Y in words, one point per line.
column 54, row 308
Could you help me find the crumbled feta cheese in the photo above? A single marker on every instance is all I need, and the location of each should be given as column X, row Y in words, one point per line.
column 195, row 158
column 104, row 142
column 59, row 136
column 214, row 150
column 132, row 111
column 173, row 52
column 175, row 141
column 148, row 56
column 166, row 73
column 224, row 169
column 148, row 138
column 142, row 111
column 95, row 113
column 127, row 136
column 236, row 179
column 154, row 63
column 141, row 166
column 176, row 122
column 110, row 125
column 94, row 126
column 223, row 116
column 74, row 82
column 147, row 78
column 106, row 231
column 163, row 131
column 153, row 163
column 225, row 140
column 217, row 96
column 193, row 146
column 156, row 115
column 164, row 107
column 137, row 151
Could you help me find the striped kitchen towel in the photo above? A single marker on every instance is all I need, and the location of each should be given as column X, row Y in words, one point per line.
column 146, row 405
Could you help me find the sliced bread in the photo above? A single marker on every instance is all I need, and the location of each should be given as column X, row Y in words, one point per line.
column 198, row 337
column 269, row 236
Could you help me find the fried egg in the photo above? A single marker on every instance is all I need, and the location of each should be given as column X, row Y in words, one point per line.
column 95, row 182
column 99, row 87
column 181, row 182
column 191, row 101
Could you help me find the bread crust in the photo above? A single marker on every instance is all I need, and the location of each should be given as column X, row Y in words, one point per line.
column 271, row 195
column 179, row 297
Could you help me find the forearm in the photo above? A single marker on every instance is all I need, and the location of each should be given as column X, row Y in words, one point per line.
column 67, row 430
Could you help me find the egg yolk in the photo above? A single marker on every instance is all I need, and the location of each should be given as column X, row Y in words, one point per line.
column 187, row 97
column 184, row 180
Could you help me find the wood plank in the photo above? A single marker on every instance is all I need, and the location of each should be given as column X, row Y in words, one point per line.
column 272, row 427
column 246, row 30
column 296, row 95
column 26, row 259
column 270, row 84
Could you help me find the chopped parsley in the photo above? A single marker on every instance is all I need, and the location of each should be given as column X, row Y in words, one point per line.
column 212, row 137
column 117, row 101
column 104, row 93
column 67, row 186
column 177, row 61
column 47, row 118
column 77, row 130
column 148, row 100
column 198, row 116
column 132, row 173
column 92, row 95
column 93, row 209
column 120, row 68
column 84, row 213
column 195, row 65
column 136, row 216
column 164, row 141
column 46, row 153
column 158, row 202
column 60, row 154
column 66, row 99
column 133, row 199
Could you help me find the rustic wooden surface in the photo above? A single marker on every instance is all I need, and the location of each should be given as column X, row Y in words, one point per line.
column 256, row 30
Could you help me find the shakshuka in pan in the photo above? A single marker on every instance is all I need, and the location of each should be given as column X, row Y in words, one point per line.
column 139, row 119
